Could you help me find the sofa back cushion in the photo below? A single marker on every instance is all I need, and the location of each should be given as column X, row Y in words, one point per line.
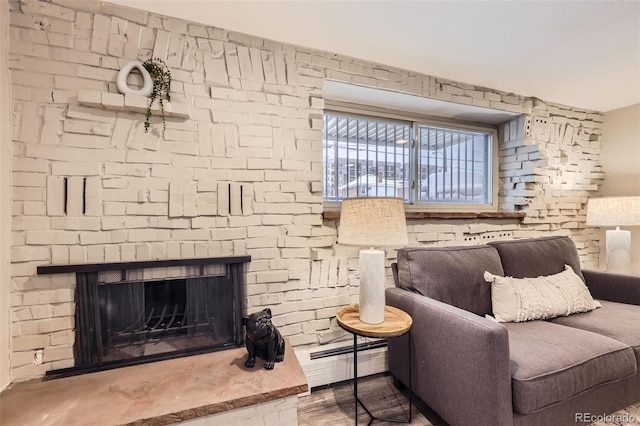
column 453, row 275
column 538, row 256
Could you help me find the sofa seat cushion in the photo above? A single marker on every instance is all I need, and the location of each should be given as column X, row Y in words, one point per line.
column 551, row 363
column 453, row 275
column 618, row 321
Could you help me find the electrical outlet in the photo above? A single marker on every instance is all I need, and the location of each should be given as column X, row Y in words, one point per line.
column 37, row 356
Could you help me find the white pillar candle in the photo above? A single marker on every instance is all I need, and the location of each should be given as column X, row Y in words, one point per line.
column 372, row 299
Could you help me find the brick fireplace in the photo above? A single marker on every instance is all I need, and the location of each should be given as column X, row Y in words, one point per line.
column 237, row 172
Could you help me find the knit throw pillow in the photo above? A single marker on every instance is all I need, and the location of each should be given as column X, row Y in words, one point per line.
column 526, row 299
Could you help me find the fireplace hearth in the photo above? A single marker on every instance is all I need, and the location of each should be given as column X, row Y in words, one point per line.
column 136, row 312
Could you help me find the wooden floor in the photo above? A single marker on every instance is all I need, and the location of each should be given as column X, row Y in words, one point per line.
column 333, row 406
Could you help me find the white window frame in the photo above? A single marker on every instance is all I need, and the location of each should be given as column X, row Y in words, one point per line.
column 336, row 107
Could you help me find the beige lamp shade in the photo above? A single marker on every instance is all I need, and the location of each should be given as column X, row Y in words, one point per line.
column 613, row 211
column 373, row 222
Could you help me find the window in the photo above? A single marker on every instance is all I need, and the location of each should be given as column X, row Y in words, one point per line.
column 426, row 164
column 366, row 158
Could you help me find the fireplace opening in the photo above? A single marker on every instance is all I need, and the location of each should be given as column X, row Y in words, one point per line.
column 130, row 313
column 139, row 318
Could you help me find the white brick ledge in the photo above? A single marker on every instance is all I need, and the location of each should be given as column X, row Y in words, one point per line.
column 131, row 103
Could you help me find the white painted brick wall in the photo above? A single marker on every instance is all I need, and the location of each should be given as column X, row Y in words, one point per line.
column 238, row 170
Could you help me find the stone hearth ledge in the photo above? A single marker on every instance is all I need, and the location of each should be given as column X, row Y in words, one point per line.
column 157, row 393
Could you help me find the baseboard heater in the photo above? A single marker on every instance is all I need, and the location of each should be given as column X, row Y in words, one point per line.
column 333, row 363
column 348, row 349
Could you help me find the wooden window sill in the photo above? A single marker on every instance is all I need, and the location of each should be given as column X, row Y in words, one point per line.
column 335, row 215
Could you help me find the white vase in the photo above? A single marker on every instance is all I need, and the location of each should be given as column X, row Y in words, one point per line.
column 121, row 81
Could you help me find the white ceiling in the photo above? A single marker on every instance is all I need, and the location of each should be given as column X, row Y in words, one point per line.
column 579, row 53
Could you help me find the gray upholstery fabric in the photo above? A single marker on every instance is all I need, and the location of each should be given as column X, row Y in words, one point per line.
column 538, row 256
column 614, row 287
column 460, row 361
column 618, row 321
column 607, row 398
column 551, row 363
column 472, row 372
column 452, row 275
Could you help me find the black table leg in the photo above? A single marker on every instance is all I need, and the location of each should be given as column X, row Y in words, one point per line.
column 410, row 388
column 355, row 389
column 355, row 376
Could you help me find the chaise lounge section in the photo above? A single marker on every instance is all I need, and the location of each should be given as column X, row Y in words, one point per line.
column 472, row 370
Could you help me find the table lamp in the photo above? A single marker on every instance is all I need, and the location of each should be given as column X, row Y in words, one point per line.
column 372, row 222
column 615, row 211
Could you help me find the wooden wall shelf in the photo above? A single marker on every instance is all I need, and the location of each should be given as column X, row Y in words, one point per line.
column 335, row 215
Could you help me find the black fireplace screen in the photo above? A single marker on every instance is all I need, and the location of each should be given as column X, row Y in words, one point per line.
column 129, row 316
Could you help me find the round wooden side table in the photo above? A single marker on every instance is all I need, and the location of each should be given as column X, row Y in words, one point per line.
column 396, row 323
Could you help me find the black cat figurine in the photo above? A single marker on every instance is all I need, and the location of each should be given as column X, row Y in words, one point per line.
column 263, row 339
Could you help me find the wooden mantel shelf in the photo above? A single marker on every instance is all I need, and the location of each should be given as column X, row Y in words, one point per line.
column 335, row 215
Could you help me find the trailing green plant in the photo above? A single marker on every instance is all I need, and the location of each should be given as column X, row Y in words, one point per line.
column 161, row 91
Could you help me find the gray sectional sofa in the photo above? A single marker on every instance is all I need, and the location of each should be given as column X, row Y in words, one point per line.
column 474, row 371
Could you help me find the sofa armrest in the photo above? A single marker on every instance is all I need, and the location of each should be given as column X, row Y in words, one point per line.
column 459, row 360
column 613, row 287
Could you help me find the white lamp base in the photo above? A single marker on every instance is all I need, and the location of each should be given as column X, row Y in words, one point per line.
column 372, row 300
column 618, row 250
